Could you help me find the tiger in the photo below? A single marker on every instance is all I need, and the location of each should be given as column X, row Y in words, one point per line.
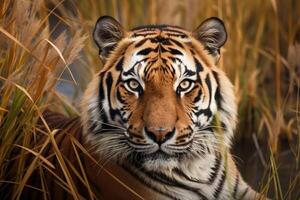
column 162, row 110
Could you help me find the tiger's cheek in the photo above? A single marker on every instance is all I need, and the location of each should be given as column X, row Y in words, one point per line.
column 184, row 119
column 136, row 123
column 192, row 102
column 127, row 103
column 192, row 98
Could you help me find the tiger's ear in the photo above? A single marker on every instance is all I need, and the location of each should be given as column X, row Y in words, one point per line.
column 212, row 34
column 107, row 33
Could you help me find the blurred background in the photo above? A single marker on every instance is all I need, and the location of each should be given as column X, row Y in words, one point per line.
column 47, row 58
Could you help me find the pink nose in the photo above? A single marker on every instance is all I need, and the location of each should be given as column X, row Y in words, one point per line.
column 159, row 135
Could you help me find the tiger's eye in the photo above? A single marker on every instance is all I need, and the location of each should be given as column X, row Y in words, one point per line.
column 133, row 84
column 184, row 85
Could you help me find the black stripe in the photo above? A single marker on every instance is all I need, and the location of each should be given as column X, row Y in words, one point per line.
column 199, row 67
column 165, row 61
column 244, row 194
column 218, row 96
column 119, row 66
column 177, row 43
column 163, row 27
column 223, row 125
column 145, row 51
column 128, row 117
column 175, row 51
column 137, row 136
column 143, row 34
column 101, row 90
column 119, row 96
column 131, row 70
column 207, row 112
column 148, row 68
column 161, row 40
column 109, row 85
column 220, row 186
column 237, row 180
column 185, row 135
column 150, row 27
column 135, row 143
column 175, row 31
column 188, row 72
column 197, row 98
column 180, row 173
column 161, row 49
column 140, row 43
column 101, row 97
column 208, row 83
column 177, row 35
column 215, row 169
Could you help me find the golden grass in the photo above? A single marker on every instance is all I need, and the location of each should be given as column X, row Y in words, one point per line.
column 31, row 64
column 261, row 57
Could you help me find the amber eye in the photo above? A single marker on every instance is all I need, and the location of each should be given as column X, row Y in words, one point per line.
column 134, row 85
column 185, row 85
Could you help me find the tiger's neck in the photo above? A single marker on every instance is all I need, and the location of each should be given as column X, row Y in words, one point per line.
column 213, row 176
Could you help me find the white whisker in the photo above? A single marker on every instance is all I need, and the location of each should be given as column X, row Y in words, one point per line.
column 109, row 124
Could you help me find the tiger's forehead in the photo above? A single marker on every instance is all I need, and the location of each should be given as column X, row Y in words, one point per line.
column 159, row 49
column 167, row 51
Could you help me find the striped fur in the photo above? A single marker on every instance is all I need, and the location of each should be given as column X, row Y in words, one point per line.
column 163, row 110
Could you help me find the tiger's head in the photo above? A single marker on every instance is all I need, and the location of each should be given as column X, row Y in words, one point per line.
column 159, row 95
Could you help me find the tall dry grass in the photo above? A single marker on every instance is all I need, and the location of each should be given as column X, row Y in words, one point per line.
column 261, row 57
column 31, row 63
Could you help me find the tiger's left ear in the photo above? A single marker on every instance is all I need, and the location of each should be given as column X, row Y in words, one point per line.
column 107, row 33
column 212, row 34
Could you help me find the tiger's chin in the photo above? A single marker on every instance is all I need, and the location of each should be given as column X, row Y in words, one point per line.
column 160, row 159
column 156, row 161
column 159, row 163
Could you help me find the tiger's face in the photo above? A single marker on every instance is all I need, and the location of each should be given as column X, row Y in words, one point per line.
column 159, row 97
column 159, row 93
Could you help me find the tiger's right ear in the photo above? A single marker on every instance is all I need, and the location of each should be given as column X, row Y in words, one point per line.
column 212, row 34
column 107, row 33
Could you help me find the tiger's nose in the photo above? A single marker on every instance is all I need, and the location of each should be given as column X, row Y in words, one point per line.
column 159, row 135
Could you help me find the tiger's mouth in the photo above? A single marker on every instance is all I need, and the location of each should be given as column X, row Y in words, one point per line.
column 196, row 142
column 155, row 150
column 159, row 154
